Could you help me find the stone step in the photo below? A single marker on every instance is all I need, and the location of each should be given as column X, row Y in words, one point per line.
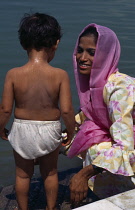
column 37, row 196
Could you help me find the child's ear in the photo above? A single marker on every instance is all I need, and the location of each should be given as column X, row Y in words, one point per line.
column 56, row 45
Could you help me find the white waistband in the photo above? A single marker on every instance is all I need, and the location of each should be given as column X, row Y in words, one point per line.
column 35, row 121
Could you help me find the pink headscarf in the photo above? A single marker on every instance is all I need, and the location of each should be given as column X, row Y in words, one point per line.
column 90, row 90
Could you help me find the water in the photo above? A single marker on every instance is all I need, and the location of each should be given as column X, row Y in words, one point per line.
column 72, row 16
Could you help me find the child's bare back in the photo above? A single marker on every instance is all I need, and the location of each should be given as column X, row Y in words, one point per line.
column 37, row 89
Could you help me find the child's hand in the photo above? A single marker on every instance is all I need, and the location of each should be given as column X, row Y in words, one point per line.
column 4, row 134
column 66, row 142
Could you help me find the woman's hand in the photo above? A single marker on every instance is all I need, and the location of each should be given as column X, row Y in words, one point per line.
column 79, row 183
column 78, row 187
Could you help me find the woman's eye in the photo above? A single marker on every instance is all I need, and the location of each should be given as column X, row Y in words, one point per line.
column 91, row 52
column 79, row 50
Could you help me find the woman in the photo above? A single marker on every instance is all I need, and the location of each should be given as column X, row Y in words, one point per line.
column 107, row 99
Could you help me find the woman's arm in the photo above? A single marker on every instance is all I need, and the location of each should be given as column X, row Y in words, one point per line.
column 119, row 96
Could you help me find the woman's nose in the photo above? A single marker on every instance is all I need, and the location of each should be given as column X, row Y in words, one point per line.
column 83, row 56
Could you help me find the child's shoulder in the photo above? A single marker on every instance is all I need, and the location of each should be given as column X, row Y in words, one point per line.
column 61, row 72
column 10, row 73
column 13, row 70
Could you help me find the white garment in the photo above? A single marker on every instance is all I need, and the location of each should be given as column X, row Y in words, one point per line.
column 32, row 139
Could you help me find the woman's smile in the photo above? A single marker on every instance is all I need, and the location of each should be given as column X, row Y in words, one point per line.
column 84, row 65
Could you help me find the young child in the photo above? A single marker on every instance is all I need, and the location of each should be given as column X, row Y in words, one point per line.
column 41, row 94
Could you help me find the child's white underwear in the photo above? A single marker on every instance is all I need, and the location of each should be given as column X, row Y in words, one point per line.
column 32, row 139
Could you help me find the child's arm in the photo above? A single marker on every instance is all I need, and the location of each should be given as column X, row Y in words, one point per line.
column 66, row 107
column 6, row 105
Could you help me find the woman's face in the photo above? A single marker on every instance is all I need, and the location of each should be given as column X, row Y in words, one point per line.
column 85, row 53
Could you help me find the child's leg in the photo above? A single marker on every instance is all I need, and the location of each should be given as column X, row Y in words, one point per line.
column 24, row 172
column 48, row 168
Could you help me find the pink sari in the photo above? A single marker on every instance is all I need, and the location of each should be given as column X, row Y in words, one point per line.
column 90, row 90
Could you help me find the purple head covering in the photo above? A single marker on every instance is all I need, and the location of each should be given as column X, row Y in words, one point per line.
column 90, row 90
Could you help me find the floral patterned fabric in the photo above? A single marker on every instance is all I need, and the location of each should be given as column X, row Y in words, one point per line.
column 118, row 157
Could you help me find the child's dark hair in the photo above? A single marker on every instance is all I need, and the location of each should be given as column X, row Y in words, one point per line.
column 39, row 30
column 89, row 31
